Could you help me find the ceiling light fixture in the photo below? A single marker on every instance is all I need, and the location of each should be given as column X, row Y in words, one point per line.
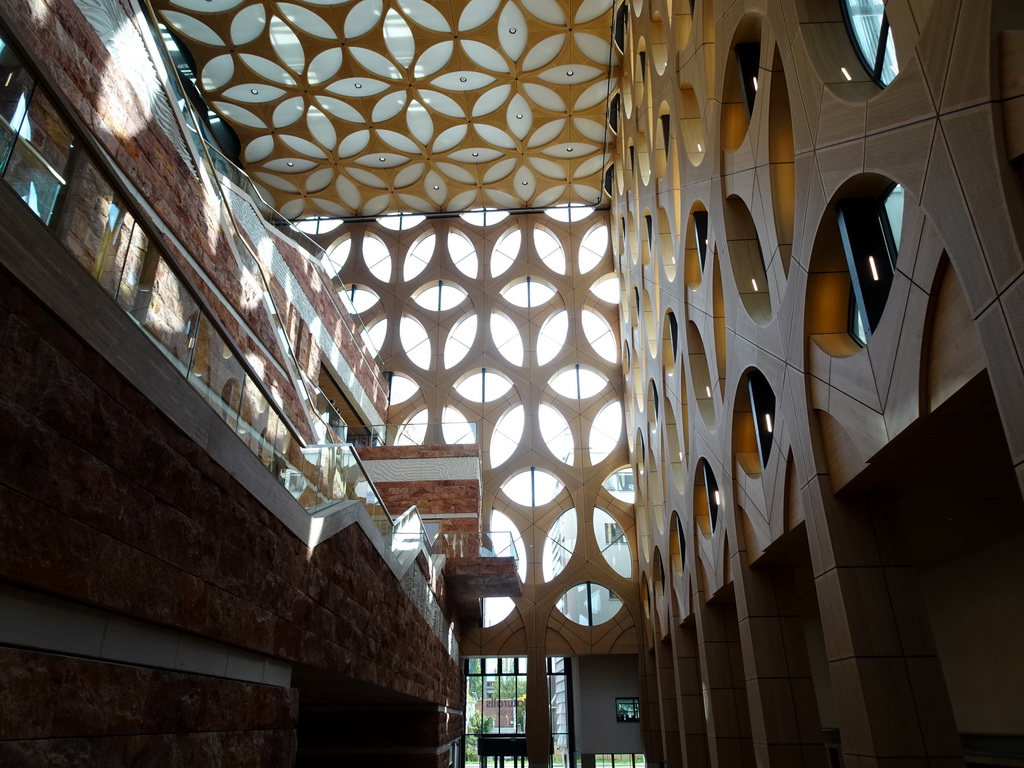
column 846, row 74
column 569, row 73
column 254, row 92
column 874, row 269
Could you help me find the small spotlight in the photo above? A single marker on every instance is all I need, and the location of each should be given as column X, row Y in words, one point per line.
column 708, row 390
column 753, row 282
column 755, row 82
column 718, row 499
column 768, row 421
column 846, row 74
column 874, row 269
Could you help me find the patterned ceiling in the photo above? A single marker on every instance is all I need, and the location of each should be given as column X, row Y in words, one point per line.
column 361, row 108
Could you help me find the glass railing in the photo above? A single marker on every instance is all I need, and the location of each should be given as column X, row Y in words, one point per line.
column 414, row 433
column 476, row 544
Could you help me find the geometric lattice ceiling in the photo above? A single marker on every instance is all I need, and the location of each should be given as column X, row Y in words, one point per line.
column 374, row 106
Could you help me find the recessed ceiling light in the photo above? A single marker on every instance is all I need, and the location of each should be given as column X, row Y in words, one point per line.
column 462, row 79
column 512, row 30
column 526, row 183
column 359, row 85
column 846, row 74
column 436, row 186
column 519, row 117
column 569, row 73
column 381, row 158
column 253, row 91
column 291, row 164
column 568, row 149
column 476, row 154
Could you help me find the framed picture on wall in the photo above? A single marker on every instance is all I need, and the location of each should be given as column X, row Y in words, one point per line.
column 627, row 710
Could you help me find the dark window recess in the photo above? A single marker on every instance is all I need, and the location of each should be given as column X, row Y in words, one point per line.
column 613, row 112
column 700, row 229
column 609, row 177
column 748, row 60
column 693, row 4
column 870, row 246
column 627, row 710
column 632, row 157
column 621, row 26
column 649, row 221
column 762, row 409
column 673, row 329
column 681, row 537
column 666, row 133
column 643, row 65
column 714, row 499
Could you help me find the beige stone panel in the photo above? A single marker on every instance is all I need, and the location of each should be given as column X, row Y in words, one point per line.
column 901, row 155
column 933, row 49
column 971, row 79
column 1011, row 89
column 838, row 163
column 955, row 350
column 839, row 121
column 901, row 383
column 904, row 101
column 1004, row 370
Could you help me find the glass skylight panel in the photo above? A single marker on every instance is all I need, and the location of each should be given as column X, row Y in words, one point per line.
column 528, row 293
column 549, row 249
column 460, row 341
column 402, row 388
column 483, row 217
column 532, row 487
column 578, row 383
column 559, row 545
column 377, row 258
column 415, row 341
column 398, row 222
column 483, row 387
column 418, row 257
column 440, row 297
column 569, row 212
column 612, row 542
column 463, row 254
column 552, row 337
column 600, row 335
column 592, row 250
column 621, row 484
column 555, row 431
column 373, row 336
column 337, row 256
column 455, row 429
column 414, row 430
column 507, row 434
column 505, row 252
column 607, row 289
column 605, row 432
column 589, row 604
column 362, row 298
column 507, row 338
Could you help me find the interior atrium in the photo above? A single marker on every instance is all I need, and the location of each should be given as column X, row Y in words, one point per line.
column 541, row 383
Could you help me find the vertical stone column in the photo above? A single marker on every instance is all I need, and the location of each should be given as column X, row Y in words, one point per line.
column 651, row 719
column 691, row 699
column 671, row 746
column 538, row 717
column 891, row 696
column 785, row 725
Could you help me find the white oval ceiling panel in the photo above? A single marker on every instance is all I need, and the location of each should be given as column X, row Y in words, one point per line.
column 595, row 94
column 571, row 74
column 362, row 17
column 409, row 175
column 286, row 45
column 593, row 47
column 425, row 15
column 366, row 178
column 436, row 188
column 544, row 52
column 388, row 106
column 218, row 72
column 499, row 170
column 320, row 180
column 591, row 9
column 450, row 138
column 248, row 24
column 353, row 144
column 290, row 165
column 421, row 126
column 374, row 62
column 348, row 193
column 340, row 109
column 476, row 13
column 307, row 21
column 192, row 28
column 253, row 93
column 239, row 114
column 266, row 68
column 321, row 127
column 476, row 155
column 491, row 100
column 433, row 59
column 383, row 160
column 544, row 97
column 304, row 146
column 324, row 66
column 357, row 87
column 398, row 38
column 546, row 133
column 545, row 10
column 519, row 116
column 398, row 141
column 486, row 56
column 277, row 182
column 547, row 168
column 513, row 31
column 591, row 129
column 288, row 111
column 525, row 183
column 439, row 102
column 456, row 173
column 549, row 196
column 495, row 136
column 259, row 149
column 464, row 80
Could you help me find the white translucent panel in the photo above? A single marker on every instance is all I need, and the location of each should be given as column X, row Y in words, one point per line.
column 569, row 212
column 402, row 388
column 248, row 24
column 507, row 338
column 607, row 289
column 460, row 341
column 239, row 114
column 528, row 293
column 321, row 127
column 307, row 21
column 491, row 100
column 485, row 55
column 507, row 434
column 218, row 72
column 532, row 487
column 362, row 298
column 318, row 225
column 559, row 545
column 589, row 10
column 549, row 249
column 612, row 542
column 290, row 164
column 455, row 429
column 511, row 544
column 413, row 430
column 439, row 102
column 399, row 38
column 377, row 258
column 578, row 383
column 415, row 341
column 286, row 45
column 604, row 604
column 545, row 97
column 545, row 10
column 398, row 141
column 357, row 87
column 373, row 335
column 589, row 604
column 512, row 31
column 574, row 74
column 544, row 52
column 267, row 68
column 324, row 67
column 253, row 93
column 476, row 13
column 374, row 62
column 600, row 335
column 449, row 138
column 605, row 432
column 496, row 610
column 337, row 256
column 505, row 252
column 593, row 248
column 552, row 337
column 621, row 485
column 362, row 18
column 483, row 217
column 421, row 126
column 425, row 14
column 484, row 386
column 440, row 297
column 545, row 134
column 388, row 106
column 554, row 429
column 519, row 116
column 462, row 253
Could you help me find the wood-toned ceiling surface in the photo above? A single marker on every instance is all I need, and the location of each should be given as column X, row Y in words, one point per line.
column 360, row 108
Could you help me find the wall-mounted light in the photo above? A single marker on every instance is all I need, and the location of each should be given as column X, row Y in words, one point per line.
column 768, row 421
column 755, row 83
column 874, row 268
column 718, row 498
column 708, row 390
column 846, row 74
column 753, row 282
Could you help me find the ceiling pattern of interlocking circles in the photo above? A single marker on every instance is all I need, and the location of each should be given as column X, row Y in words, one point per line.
column 360, row 108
